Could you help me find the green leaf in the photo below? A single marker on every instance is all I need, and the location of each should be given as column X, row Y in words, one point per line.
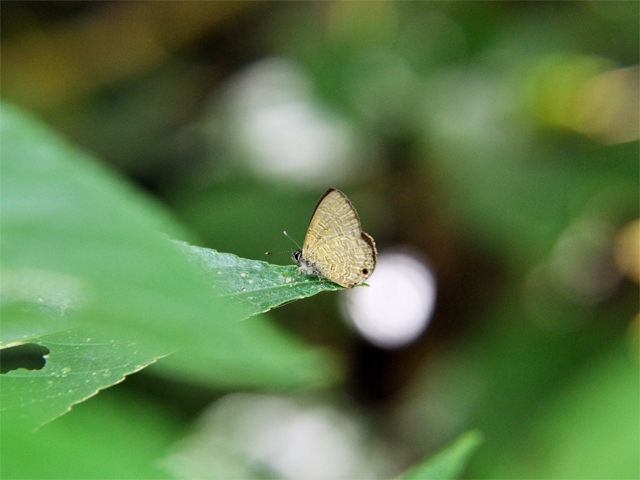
column 78, row 366
column 89, row 273
column 256, row 286
column 450, row 462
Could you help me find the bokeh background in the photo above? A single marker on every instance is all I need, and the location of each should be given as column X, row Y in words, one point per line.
column 491, row 150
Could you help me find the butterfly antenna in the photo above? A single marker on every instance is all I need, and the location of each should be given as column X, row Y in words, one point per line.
column 299, row 247
column 286, row 251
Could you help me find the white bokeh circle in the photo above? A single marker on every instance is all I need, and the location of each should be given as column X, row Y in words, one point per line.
column 397, row 306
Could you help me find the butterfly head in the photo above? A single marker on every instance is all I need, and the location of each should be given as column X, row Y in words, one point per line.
column 296, row 256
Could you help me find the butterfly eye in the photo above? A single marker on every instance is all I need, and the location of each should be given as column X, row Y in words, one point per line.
column 364, row 271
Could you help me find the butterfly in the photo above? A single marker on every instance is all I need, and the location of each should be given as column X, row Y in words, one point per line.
column 335, row 246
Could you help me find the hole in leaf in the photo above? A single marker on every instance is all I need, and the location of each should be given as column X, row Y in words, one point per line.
column 29, row 356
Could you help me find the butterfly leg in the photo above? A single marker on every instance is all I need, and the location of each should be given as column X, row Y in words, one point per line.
column 298, row 272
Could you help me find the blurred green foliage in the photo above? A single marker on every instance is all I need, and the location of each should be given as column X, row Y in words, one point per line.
column 450, row 462
column 498, row 139
column 87, row 276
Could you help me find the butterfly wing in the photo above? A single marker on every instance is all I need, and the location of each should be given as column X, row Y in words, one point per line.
column 335, row 245
column 334, row 216
column 347, row 261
